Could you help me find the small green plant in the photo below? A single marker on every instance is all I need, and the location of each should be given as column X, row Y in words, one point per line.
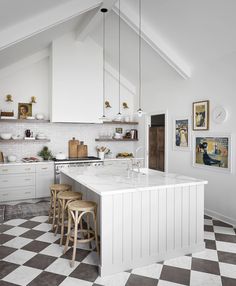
column 45, row 153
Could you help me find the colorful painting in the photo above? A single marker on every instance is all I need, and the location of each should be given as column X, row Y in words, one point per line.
column 181, row 134
column 201, row 115
column 213, row 152
column 24, row 110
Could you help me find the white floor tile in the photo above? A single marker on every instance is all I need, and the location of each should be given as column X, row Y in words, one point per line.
column 48, row 237
column 23, row 275
column 61, row 266
column 152, row 271
column 167, row 283
column 208, row 222
column 69, row 281
column 43, row 227
column 15, row 222
column 20, row 256
column 209, row 235
column 228, row 270
column 18, row 242
column 53, row 250
column 182, row 262
column 92, row 258
column 208, row 254
column 226, row 246
column 224, row 230
column 119, row 279
column 16, row 231
column 204, row 279
column 40, row 218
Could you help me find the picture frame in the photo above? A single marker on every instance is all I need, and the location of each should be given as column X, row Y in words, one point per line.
column 24, row 110
column 213, row 152
column 181, row 134
column 201, row 115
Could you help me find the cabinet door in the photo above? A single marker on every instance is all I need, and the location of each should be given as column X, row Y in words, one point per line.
column 43, row 182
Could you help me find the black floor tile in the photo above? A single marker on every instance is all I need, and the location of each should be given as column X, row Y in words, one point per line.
column 225, row 237
column 80, row 254
column 175, row 274
column 6, row 268
column 40, row 261
column 208, row 228
column 5, row 227
column 36, row 246
column 4, row 283
column 85, row 272
column 30, row 224
column 5, row 237
column 32, row 233
column 221, row 223
column 227, row 257
column 210, row 244
column 5, row 251
column 135, row 280
column 228, row 281
column 47, row 279
column 207, row 217
column 206, row 266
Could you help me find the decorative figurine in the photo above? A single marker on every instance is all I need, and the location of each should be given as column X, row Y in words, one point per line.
column 125, row 105
column 9, row 98
column 107, row 104
column 33, row 99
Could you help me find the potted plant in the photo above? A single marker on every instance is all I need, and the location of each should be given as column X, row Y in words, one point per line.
column 45, row 153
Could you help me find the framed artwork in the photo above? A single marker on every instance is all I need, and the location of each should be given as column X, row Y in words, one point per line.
column 212, row 152
column 24, row 110
column 181, row 135
column 201, row 115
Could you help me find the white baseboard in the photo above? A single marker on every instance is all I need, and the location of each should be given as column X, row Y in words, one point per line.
column 221, row 217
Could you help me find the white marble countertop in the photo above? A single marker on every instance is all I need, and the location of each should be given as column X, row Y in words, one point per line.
column 105, row 180
column 18, row 163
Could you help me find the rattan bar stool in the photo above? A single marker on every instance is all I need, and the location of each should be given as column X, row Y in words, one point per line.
column 64, row 198
column 54, row 190
column 76, row 210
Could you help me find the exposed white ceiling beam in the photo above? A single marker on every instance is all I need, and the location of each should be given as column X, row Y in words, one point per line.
column 44, row 21
column 151, row 37
column 93, row 21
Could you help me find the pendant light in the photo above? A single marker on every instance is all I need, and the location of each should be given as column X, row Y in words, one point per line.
column 140, row 111
column 104, row 11
column 119, row 61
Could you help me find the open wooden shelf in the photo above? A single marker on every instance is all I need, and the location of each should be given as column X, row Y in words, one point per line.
column 114, row 140
column 2, row 141
column 24, row 121
column 121, row 122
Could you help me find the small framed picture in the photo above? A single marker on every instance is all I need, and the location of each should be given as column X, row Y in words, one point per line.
column 24, row 110
column 181, row 134
column 212, row 152
column 201, row 115
column 119, row 130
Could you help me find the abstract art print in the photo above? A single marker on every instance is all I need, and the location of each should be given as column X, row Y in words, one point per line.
column 201, row 115
column 213, row 152
column 181, row 140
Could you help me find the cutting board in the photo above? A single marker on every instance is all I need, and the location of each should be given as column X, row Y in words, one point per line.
column 72, row 148
column 82, row 151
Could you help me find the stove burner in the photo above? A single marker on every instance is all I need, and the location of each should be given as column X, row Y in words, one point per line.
column 89, row 158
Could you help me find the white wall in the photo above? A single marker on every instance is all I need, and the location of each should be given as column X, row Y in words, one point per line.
column 217, row 83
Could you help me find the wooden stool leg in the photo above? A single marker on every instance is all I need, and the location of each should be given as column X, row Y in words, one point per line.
column 81, row 227
column 62, row 220
column 50, row 212
column 75, row 239
column 96, row 230
column 68, row 232
column 54, row 211
column 58, row 218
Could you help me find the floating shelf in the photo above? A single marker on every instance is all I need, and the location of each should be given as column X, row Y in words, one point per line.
column 2, row 141
column 114, row 140
column 121, row 122
column 24, row 121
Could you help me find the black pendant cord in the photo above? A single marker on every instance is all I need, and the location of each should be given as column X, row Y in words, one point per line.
column 119, row 113
column 104, row 10
column 140, row 59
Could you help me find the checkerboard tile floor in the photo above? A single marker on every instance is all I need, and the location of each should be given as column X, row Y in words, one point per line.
column 30, row 255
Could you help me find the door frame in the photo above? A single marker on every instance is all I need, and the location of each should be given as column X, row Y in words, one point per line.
column 147, row 125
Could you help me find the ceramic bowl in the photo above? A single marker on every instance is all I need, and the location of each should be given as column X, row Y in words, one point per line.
column 39, row 116
column 11, row 158
column 5, row 136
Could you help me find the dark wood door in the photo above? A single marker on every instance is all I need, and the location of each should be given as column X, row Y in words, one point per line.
column 157, row 148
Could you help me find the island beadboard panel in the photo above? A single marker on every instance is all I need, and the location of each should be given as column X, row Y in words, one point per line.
column 144, row 227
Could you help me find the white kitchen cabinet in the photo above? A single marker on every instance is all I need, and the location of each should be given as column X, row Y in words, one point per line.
column 77, row 77
column 44, row 178
column 25, row 181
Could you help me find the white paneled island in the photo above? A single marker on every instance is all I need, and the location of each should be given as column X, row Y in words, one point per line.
column 144, row 217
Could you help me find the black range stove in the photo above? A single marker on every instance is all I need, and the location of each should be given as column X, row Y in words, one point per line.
column 74, row 162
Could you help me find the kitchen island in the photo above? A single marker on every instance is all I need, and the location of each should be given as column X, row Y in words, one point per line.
column 144, row 217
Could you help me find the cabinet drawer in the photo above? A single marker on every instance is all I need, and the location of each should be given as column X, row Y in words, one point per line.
column 17, row 180
column 17, row 169
column 45, row 168
column 14, row 194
